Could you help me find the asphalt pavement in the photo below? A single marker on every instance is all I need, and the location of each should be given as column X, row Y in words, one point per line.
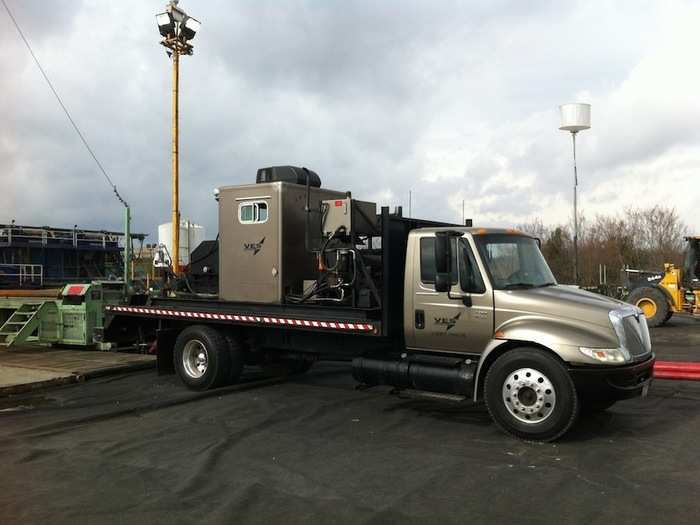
column 139, row 448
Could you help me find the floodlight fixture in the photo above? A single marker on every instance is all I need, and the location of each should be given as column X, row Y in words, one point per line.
column 189, row 28
column 166, row 24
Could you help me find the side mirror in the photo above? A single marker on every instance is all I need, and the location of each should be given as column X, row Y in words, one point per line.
column 443, row 262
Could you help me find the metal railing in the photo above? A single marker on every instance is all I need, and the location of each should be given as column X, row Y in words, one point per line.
column 27, row 235
column 22, row 274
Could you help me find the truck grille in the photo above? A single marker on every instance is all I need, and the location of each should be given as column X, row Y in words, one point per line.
column 636, row 332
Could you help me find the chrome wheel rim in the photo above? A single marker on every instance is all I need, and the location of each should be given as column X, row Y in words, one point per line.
column 195, row 358
column 529, row 395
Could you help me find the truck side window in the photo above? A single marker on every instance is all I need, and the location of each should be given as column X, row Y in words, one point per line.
column 469, row 274
column 252, row 212
column 427, row 260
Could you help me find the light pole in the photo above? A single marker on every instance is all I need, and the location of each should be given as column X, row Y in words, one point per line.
column 177, row 29
column 575, row 118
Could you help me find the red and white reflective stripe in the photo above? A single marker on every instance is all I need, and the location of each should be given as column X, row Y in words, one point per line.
column 333, row 325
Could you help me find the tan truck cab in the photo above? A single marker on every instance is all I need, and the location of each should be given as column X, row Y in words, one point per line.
column 487, row 292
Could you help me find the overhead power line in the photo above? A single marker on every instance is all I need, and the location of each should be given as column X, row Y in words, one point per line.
column 63, row 106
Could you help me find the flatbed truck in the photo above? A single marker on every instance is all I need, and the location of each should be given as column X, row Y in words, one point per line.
column 464, row 313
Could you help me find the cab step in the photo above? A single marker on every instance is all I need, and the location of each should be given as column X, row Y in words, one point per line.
column 424, row 394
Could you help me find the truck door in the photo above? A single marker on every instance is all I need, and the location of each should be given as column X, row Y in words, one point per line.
column 444, row 324
column 249, row 224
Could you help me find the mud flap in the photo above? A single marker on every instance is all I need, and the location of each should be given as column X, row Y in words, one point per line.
column 165, row 344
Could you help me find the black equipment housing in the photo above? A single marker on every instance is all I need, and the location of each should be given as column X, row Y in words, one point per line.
column 291, row 174
column 203, row 273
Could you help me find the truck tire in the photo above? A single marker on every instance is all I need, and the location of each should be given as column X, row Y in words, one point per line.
column 202, row 358
column 652, row 302
column 530, row 394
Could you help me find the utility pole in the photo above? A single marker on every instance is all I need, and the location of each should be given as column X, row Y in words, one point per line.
column 175, row 256
column 576, row 272
column 127, row 248
column 575, row 118
column 409, row 203
column 178, row 29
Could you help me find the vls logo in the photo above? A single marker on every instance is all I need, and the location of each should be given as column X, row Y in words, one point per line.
column 254, row 247
column 448, row 322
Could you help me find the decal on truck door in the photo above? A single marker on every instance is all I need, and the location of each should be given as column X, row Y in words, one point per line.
column 447, row 322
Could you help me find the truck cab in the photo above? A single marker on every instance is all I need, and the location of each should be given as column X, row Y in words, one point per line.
column 488, row 295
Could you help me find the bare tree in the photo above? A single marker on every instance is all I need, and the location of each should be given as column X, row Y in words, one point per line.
column 643, row 238
column 534, row 227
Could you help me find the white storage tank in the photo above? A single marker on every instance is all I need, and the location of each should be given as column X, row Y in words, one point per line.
column 191, row 235
column 575, row 117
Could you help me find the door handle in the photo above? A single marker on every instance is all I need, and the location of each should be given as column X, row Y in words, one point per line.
column 420, row 319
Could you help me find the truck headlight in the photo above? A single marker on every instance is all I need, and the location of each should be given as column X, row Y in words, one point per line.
column 605, row 355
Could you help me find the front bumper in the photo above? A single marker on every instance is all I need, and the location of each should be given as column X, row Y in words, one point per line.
column 613, row 382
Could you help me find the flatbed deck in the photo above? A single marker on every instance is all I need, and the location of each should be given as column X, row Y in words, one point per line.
column 304, row 317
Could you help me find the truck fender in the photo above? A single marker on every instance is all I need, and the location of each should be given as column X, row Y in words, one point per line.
column 560, row 337
column 481, row 369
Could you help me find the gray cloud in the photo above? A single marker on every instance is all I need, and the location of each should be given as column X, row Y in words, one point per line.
column 453, row 100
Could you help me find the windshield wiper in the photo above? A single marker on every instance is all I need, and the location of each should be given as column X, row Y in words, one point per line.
column 510, row 286
column 545, row 284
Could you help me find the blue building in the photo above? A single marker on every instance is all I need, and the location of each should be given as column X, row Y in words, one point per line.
column 46, row 257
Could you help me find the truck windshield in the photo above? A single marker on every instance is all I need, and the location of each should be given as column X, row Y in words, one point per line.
column 514, row 261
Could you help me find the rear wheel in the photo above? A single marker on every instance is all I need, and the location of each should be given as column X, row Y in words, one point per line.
column 202, row 358
column 530, row 394
column 653, row 303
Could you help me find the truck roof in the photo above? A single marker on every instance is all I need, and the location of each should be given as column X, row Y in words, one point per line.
column 471, row 230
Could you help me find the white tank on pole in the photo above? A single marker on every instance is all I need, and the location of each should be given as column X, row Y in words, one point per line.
column 575, row 117
column 191, row 235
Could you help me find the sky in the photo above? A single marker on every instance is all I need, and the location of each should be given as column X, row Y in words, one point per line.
column 453, row 101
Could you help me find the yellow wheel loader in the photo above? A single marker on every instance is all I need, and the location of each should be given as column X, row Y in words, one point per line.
column 675, row 290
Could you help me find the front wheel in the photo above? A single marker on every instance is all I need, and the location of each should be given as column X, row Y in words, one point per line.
column 530, row 394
